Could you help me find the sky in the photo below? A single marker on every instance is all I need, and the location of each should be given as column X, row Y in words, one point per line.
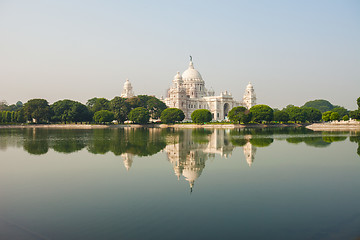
column 291, row 51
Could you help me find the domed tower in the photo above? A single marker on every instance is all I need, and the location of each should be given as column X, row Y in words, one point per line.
column 177, row 94
column 128, row 90
column 193, row 82
column 249, row 98
column 178, row 81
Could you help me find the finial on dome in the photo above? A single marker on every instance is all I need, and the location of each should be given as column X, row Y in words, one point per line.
column 191, row 63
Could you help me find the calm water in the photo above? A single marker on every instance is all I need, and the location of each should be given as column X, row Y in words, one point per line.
column 179, row 184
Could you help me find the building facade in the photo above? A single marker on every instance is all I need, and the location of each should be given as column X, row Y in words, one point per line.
column 127, row 90
column 188, row 93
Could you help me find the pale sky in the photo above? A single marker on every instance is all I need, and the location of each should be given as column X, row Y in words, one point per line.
column 291, row 51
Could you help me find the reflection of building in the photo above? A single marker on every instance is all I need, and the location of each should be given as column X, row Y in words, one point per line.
column 188, row 156
column 188, row 93
column 127, row 90
column 249, row 152
column 128, row 160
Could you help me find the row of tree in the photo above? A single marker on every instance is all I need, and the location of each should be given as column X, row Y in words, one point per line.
column 96, row 109
column 141, row 108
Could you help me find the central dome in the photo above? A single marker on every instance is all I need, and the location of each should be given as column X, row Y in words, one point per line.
column 191, row 73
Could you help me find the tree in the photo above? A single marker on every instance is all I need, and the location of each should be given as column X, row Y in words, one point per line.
column 358, row 102
column 139, row 115
column 172, row 115
column 320, row 104
column 121, row 108
column 311, row 114
column 134, row 102
column 345, row 118
column 20, row 117
column 103, row 116
column 3, row 105
column 201, row 116
column 239, row 115
column 326, row 116
column 37, row 109
column 70, row 111
column 155, row 107
column 296, row 114
column 97, row 104
column 80, row 113
column 354, row 114
column 261, row 113
column 334, row 116
column 341, row 111
column 281, row 116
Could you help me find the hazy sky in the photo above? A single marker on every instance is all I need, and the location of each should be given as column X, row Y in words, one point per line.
column 292, row 51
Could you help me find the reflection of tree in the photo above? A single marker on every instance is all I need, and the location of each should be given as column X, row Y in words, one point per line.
column 137, row 141
column 68, row 141
column 201, row 135
column 36, row 141
column 316, row 142
column 356, row 139
column 261, row 142
column 331, row 139
column 239, row 142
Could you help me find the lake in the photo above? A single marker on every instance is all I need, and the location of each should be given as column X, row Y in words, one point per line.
column 125, row 183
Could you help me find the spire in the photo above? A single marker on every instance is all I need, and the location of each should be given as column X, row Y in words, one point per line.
column 191, row 65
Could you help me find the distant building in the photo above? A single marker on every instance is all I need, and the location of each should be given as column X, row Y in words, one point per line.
column 128, row 90
column 188, row 93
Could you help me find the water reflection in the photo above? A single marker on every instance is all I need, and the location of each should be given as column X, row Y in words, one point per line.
column 187, row 150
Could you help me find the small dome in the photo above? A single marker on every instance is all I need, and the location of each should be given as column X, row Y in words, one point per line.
column 127, row 83
column 249, row 85
column 191, row 73
column 177, row 76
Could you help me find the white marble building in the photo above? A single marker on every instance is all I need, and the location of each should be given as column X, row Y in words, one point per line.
column 188, row 93
column 127, row 90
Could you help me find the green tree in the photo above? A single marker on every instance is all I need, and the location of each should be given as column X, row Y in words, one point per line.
column 296, row 114
column 201, row 116
column 79, row 113
column 139, row 115
column 121, row 108
column 70, row 111
column 20, row 117
column 341, row 111
column 334, row 116
column 239, row 115
column 8, row 116
column 345, row 118
column 262, row 113
column 172, row 115
column 97, row 104
column 320, row 104
column 354, row 114
column 155, row 107
column 326, row 116
column 37, row 109
column 358, row 102
column 103, row 116
column 281, row 116
column 311, row 114
column 135, row 102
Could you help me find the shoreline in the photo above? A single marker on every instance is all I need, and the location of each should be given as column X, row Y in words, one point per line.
column 333, row 126
column 178, row 126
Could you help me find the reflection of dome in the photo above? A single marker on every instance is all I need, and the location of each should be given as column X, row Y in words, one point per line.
column 191, row 73
column 191, row 174
column 249, row 86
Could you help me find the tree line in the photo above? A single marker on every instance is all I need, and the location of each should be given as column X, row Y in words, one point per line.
column 142, row 108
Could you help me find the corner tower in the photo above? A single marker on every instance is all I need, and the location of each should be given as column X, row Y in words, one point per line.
column 127, row 90
column 249, row 98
